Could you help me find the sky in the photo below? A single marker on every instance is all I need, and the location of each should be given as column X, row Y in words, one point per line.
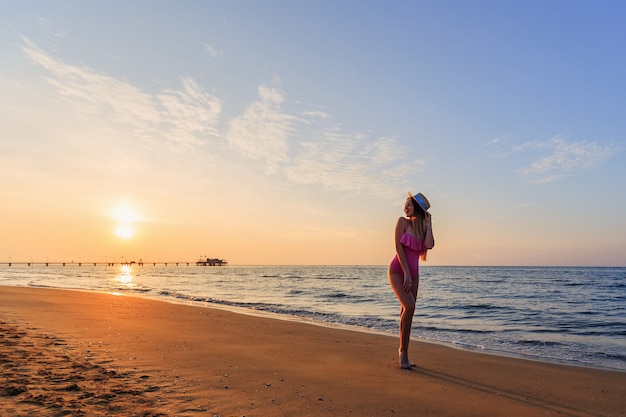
column 289, row 132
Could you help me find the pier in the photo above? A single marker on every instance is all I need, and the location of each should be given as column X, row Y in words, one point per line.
column 211, row 262
column 206, row 262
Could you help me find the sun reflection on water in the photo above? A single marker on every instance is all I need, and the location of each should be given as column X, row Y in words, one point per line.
column 125, row 277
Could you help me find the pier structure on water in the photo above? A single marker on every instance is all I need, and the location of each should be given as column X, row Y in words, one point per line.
column 204, row 261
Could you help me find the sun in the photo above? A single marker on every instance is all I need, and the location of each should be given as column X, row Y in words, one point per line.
column 125, row 216
column 124, row 231
column 125, row 213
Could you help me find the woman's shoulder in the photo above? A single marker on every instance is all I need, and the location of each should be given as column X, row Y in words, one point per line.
column 403, row 224
column 404, row 221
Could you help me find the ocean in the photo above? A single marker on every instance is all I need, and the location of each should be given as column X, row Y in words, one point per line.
column 573, row 315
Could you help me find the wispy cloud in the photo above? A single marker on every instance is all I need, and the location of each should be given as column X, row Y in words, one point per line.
column 316, row 114
column 185, row 115
column 46, row 25
column 262, row 131
column 352, row 163
column 561, row 158
column 190, row 113
column 90, row 92
column 497, row 147
column 326, row 156
column 212, row 50
column 300, row 144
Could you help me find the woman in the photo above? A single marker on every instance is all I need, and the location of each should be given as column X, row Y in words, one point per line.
column 413, row 237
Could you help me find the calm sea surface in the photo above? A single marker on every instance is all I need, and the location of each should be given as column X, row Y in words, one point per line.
column 573, row 315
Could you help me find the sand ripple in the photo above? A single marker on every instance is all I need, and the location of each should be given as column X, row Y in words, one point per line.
column 42, row 375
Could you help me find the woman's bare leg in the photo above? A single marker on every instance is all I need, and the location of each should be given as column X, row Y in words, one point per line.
column 407, row 309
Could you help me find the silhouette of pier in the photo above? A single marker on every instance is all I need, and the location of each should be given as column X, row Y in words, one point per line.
column 201, row 262
column 204, row 261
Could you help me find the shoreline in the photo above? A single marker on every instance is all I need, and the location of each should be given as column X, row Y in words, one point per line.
column 332, row 325
column 359, row 329
column 152, row 358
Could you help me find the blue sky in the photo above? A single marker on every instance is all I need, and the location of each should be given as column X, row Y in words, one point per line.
column 288, row 132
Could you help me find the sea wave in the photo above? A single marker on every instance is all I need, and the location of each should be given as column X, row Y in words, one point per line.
column 563, row 314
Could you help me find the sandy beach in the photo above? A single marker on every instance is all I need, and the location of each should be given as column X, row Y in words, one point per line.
column 71, row 353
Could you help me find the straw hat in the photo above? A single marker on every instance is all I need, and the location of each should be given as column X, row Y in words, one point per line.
column 421, row 200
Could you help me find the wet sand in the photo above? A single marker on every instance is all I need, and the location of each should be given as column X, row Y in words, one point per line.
column 71, row 353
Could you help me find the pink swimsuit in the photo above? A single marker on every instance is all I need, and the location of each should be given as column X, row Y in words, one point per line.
column 413, row 248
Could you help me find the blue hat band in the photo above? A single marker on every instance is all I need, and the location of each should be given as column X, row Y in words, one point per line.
column 421, row 202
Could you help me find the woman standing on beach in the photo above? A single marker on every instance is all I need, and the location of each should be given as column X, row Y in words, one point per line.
column 413, row 237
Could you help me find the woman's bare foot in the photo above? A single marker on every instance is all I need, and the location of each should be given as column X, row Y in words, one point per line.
column 405, row 363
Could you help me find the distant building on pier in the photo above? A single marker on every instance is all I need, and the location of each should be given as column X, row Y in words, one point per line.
column 211, row 262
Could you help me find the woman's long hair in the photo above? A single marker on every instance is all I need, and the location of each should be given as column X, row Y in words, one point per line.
column 419, row 224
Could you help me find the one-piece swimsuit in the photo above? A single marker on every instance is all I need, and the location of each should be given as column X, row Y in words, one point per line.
column 413, row 248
